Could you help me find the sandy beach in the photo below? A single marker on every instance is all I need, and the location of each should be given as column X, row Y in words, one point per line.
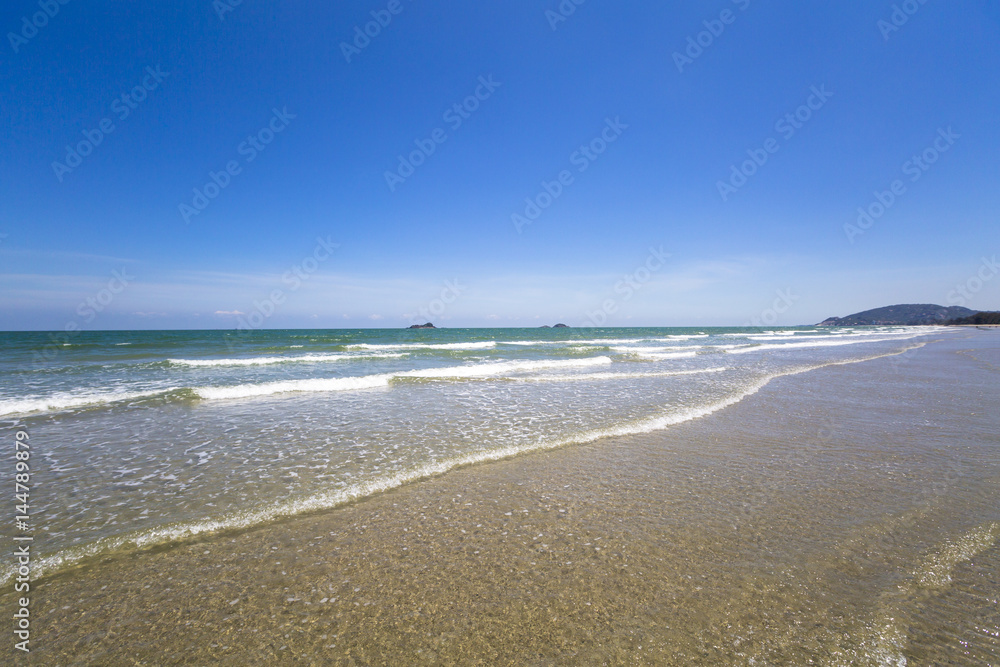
column 847, row 515
column 511, row 334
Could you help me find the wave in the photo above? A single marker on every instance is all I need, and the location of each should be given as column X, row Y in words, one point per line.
column 535, row 342
column 586, row 341
column 147, row 538
column 806, row 344
column 264, row 361
column 615, row 376
column 287, row 386
column 824, row 335
column 383, row 379
column 839, row 331
column 769, row 336
column 68, row 401
column 502, row 367
column 162, row 535
column 666, row 356
column 71, row 401
column 612, row 341
column 481, row 345
column 657, row 353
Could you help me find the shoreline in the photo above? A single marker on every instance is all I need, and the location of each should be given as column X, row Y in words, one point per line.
column 169, row 536
column 587, row 553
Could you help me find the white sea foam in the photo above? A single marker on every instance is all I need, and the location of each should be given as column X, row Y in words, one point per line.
column 264, row 361
column 615, row 376
column 383, row 379
column 288, row 386
column 480, row 345
column 504, row 367
column 811, row 343
column 66, row 401
column 534, row 342
column 334, row 498
column 666, row 356
column 611, row 341
column 627, row 349
column 768, row 336
column 658, row 353
column 69, row 401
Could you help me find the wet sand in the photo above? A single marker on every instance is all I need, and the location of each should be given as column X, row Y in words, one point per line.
column 848, row 515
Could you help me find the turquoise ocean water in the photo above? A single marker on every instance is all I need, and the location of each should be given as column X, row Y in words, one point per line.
column 143, row 438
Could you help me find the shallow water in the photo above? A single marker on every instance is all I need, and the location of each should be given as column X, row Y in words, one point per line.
column 843, row 515
column 146, row 438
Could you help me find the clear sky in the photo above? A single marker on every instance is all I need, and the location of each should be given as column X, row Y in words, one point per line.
column 186, row 164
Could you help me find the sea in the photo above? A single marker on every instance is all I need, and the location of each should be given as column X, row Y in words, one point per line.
column 144, row 439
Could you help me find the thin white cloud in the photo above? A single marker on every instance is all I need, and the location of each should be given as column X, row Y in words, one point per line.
column 63, row 255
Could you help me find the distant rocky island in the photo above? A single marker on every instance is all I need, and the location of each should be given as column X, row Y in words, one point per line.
column 907, row 314
column 555, row 326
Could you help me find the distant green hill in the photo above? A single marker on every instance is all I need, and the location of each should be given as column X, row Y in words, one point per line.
column 909, row 314
column 991, row 317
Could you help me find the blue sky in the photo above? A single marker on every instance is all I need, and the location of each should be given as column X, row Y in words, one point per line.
column 659, row 132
